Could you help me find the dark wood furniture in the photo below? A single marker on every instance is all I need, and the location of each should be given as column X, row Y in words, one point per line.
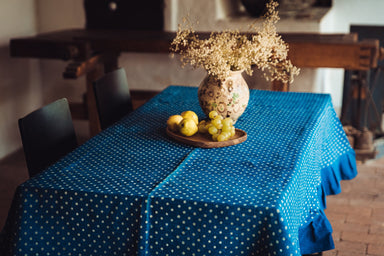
column 113, row 99
column 47, row 135
column 363, row 99
column 95, row 52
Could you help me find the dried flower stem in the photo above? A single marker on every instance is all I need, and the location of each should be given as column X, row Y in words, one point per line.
column 230, row 50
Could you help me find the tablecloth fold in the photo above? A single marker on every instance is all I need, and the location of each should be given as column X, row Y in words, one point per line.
column 344, row 168
column 316, row 235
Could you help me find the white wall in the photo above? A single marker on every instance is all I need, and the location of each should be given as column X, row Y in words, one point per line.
column 20, row 85
column 346, row 12
column 53, row 15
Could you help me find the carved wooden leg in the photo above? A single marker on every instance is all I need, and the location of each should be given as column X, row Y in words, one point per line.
column 280, row 86
column 94, row 123
column 94, row 68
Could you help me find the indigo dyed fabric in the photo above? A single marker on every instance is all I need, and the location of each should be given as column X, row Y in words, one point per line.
column 131, row 190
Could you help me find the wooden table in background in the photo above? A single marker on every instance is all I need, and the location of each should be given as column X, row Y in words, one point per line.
column 95, row 52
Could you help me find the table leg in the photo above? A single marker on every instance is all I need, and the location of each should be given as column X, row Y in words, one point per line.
column 110, row 61
column 93, row 116
column 280, row 86
column 94, row 68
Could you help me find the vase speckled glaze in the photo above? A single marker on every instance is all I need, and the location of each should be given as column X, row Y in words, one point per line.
column 229, row 97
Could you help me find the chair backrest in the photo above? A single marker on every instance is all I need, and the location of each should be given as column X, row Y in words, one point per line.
column 47, row 135
column 113, row 99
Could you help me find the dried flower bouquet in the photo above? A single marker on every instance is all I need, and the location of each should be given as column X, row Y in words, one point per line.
column 228, row 51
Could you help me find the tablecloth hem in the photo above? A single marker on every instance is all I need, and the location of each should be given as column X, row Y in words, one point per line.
column 316, row 235
column 344, row 168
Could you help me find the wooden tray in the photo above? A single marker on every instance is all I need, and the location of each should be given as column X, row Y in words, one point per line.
column 204, row 141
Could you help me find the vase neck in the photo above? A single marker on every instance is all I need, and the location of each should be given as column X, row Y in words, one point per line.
column 236, row 72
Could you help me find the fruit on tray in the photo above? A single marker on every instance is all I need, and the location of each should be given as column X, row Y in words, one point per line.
column 185, row 123
column 173, row 122
column 216, row 127
column 188, row 127
column 192, row 115
column 220, row 129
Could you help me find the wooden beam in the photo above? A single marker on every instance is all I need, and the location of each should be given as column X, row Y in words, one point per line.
column 45, row 48
column 320, row 37
column 354, row 56
column 306, row 49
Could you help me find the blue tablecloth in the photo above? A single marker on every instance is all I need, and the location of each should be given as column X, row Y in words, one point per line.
column 131, row 190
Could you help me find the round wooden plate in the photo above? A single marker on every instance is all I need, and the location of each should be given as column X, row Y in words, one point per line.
column 204, row 141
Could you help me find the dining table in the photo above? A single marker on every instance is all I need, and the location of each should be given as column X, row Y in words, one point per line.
column 134, row 190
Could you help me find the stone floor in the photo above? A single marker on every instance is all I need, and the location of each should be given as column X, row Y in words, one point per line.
column 357, row 213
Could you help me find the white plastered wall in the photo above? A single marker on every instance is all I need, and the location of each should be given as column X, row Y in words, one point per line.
column 20, row 84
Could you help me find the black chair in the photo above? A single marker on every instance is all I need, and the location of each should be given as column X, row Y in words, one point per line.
column 47, row 135
column 113, row 99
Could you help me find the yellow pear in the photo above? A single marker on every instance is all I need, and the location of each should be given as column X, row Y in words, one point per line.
column 188, row 127
column 173, row 122
column 192, row 115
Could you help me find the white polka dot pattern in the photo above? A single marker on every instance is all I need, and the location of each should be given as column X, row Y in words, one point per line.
column 131, row 190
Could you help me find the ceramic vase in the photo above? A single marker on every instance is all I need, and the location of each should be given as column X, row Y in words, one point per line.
column 229, row 97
